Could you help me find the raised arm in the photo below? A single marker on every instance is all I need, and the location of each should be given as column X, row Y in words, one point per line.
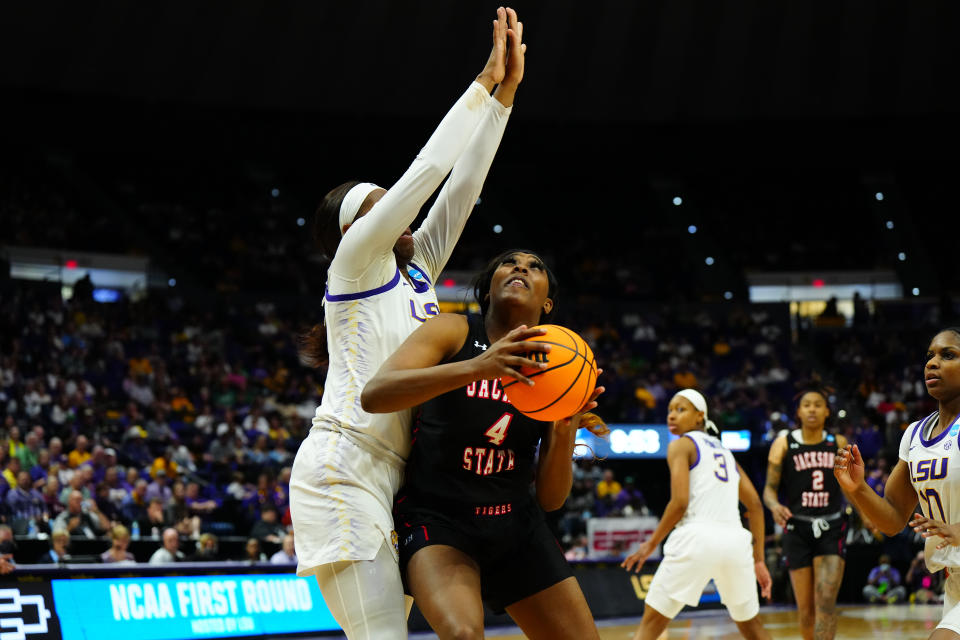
column 436, row 238
column 771, row 488
column 370, row 239
column 414, row 373
column 680, row 455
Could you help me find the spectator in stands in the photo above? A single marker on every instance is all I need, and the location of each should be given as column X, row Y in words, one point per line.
column 81, row 452
column 82, row 517
column 117, row 553
column 252, row 552
column 29, row 454
column 55, row 447
column 77, row 483
column 607, row 491
column 135, row 505
column 170, row 550
column 53, row 506
column 924, row 587
column 11, row 470
column 268, row 528
column 287, row 553
column 197, row 504
column 41, row 470
column 883, row 583
column 59, row 545
column 630, row 500
column 25, row 504
column 207, row 549
column 106, row 506
column 155, row 520
column 159, row 487
column 134, row 448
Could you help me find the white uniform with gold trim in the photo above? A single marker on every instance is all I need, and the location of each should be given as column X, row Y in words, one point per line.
column 934, row 466
column 350, row 466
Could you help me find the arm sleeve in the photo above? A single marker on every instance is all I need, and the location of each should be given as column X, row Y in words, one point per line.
column 437, row 236
column 905, row 442
column 365, row 255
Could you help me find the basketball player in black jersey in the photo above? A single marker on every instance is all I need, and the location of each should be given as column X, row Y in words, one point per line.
column 800, row 467
column 470, row 529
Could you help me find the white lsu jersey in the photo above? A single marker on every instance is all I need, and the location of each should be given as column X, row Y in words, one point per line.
column 714, row 484
column 363, row 329
column 934, row 467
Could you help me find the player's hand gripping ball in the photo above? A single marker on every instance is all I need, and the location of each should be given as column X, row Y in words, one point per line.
column 564, row 386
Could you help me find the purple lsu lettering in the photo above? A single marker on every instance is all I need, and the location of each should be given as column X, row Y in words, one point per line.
column 925, row 470
column 430, row 309
column 485, row 461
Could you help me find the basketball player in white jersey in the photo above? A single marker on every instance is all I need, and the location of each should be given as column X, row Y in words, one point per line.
column 708, row 539
column 379, row 289
column 928, row 456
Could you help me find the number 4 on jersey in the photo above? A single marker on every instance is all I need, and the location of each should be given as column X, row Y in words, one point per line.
column 498, row 432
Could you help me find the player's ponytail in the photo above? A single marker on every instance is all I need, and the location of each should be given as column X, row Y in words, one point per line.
column 312, row 346
column 711, row 428
column 594, row 424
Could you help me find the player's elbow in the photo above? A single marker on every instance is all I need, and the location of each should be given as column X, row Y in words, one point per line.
column 549, row 502
column 371, row 399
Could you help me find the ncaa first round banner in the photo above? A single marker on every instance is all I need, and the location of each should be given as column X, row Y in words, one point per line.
column 177, row 608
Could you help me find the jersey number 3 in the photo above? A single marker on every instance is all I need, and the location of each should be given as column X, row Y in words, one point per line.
column 498, row 432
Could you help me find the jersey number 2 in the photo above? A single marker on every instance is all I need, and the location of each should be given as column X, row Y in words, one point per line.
column 498, row 432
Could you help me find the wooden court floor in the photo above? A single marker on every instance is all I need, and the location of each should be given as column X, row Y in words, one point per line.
column 878, row 622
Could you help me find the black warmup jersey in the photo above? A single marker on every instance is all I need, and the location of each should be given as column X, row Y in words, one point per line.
column 807, row 479
column 472, row 453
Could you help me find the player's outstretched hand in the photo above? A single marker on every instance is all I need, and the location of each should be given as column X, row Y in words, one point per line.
column 763, row 579
column 574, row 421
column 848, row 467
column 506, row 356
column 928, row 527
column 496, row 67
column 636, row 559
column 517, row 50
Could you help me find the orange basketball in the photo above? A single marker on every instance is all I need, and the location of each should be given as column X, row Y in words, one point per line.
column 561, row 389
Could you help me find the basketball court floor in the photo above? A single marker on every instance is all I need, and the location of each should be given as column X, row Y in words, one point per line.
column 878, row 622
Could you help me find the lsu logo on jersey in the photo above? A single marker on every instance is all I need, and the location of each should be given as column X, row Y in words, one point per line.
column 929, row 469
column 430, row 309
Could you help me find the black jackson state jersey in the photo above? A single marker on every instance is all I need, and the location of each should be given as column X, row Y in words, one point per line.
column 473, row 453
column 807, row 478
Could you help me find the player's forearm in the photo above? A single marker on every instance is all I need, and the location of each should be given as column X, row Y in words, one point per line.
column 390, row 391
column 448, row 215
column 877, row 509
column 770, row 498
column 554, row 469
column 672, row 514
column 757, row 528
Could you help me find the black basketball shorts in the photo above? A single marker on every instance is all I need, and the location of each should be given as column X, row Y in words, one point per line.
column 800, row 545
column 512, row 567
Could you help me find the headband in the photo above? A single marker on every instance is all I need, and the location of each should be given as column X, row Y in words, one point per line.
column 699, row 403
column 350, row 205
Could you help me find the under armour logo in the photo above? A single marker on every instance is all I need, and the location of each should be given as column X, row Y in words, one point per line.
column 476, row 343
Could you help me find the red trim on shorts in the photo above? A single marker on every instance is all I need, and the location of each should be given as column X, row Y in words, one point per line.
column 426, row 536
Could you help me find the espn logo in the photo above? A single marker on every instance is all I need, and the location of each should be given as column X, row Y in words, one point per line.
column 12, row 602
